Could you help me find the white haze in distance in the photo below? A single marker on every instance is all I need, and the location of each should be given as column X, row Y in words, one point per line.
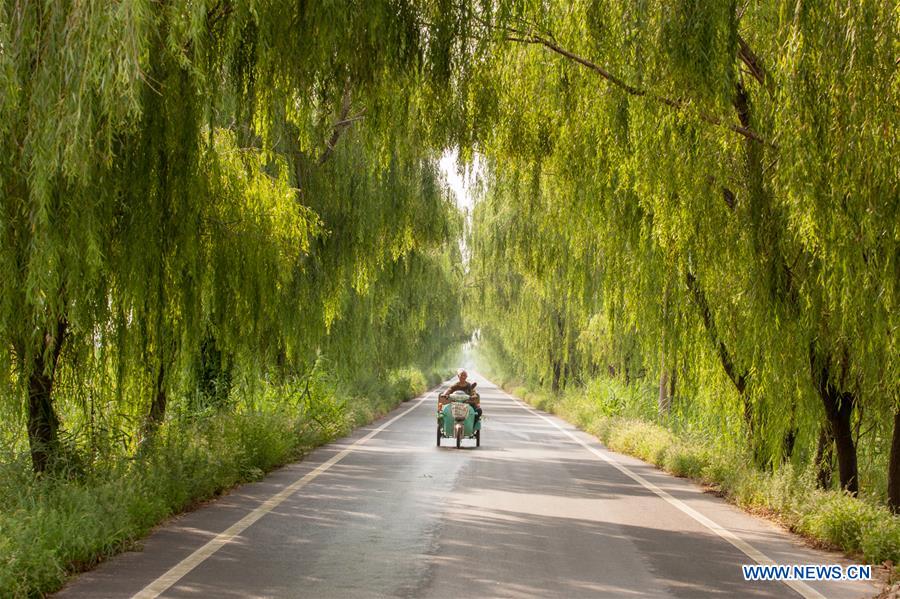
column 462, row 185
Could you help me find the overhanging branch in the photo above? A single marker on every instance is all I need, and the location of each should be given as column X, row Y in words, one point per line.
column 738, row 378
column 749, row 58
column 344, row 121
column 520, row 36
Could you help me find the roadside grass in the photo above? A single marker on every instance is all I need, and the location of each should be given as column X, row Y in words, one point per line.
column 830, row 518
column 54, row 526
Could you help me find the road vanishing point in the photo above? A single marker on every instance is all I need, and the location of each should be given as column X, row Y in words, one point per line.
column 539, row 510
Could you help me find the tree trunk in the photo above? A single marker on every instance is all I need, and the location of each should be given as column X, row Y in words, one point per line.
column 787, row 444
column 726, row 359
column 790, row 436
column 738, row 378
column 556, row 383
column 824, row 456
column 665, row 400
column 43, row 423
column 557, row 374
column 838, row 406
column 846, row 450
column 673, row 382
column 158, row 405
column 894, row 467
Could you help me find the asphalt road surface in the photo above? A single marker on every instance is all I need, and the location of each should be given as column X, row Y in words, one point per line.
column 539, row 510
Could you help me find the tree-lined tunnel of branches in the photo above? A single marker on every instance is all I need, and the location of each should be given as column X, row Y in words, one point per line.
column 202, row 198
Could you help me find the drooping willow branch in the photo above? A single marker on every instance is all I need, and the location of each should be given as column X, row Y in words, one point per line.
column 749, row 58
column 525, row 37
column 343, row 122
column 725, row 356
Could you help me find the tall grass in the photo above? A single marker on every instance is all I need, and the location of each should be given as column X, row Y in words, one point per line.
column 55, row 525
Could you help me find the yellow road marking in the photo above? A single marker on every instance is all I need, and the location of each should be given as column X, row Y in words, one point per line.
column 177, row 572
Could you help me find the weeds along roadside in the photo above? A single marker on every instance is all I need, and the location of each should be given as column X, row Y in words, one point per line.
column 55, row 526
column 831, row 518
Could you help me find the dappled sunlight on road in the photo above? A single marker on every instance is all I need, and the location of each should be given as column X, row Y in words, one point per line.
column 528, row 514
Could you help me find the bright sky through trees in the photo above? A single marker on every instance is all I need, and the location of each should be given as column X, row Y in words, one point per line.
column 462, row 185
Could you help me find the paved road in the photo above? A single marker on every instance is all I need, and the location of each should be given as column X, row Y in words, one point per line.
column 540, row 510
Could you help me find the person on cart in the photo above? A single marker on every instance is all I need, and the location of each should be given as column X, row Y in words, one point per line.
column 462, row 384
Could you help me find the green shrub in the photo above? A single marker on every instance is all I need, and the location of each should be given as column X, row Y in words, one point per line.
column 407, row 382
column 853, row 525
column 686, row 460
column 642, row 439
column 521, row 392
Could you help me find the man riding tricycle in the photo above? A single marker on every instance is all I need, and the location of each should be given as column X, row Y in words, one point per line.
column 459, row 412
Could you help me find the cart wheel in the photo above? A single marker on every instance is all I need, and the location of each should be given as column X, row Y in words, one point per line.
column 439, row 435
column 459, row 433
column 478, row 438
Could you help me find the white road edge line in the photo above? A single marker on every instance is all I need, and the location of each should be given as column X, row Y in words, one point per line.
column 177, row 572
column 749, row 550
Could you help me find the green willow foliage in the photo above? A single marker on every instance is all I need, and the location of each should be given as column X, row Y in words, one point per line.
column 197, row 194
column 705, row 193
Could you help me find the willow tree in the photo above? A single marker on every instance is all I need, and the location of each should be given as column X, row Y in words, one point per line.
column 69, row 88
column 158, row 169
column 754, row 145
